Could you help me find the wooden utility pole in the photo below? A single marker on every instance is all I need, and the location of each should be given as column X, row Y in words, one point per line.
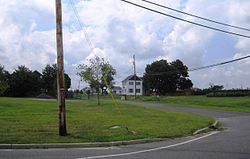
column 60, row 71
column 134, row 74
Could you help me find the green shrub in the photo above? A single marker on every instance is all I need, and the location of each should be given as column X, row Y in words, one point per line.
column 231, row 93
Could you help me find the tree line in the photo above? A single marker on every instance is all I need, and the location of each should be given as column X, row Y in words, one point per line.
column 24, row 82
column 160, row 77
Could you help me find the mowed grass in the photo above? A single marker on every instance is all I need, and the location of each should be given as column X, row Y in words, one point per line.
column 241, row 104
column 36, row 121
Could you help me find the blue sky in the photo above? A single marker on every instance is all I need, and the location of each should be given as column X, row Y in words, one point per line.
column 118, row 30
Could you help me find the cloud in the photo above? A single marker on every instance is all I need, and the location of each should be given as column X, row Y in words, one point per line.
column 118, row 30
column 118, row 33
column 192, row 44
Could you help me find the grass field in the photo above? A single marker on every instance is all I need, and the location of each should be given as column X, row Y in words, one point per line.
column 241, row 104
column 36, row 121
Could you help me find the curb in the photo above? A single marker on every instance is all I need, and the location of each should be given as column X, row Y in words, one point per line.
column 213, row 126
column 79, row 145
column 97, row 144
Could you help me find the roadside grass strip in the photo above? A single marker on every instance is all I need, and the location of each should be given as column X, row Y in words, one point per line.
column 32, row 121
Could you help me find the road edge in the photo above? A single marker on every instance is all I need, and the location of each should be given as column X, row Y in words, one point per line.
column 214, row 126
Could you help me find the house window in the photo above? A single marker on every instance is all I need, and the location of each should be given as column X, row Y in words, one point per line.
column 138, row 83
column 138, row 91
column 131, row 83
column 131, row 90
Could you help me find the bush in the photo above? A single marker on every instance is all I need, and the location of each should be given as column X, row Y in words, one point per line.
column 229, row 93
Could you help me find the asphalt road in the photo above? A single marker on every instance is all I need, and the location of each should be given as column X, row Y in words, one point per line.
column 232, row 143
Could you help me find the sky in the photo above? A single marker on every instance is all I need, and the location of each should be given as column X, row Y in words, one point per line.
column 118, row 31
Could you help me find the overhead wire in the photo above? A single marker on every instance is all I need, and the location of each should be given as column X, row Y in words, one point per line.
column 82, row 27
column 218, row 64
column 163, row 73
column 187, row 21
column 199, row 68
column 92, row 51
column 196, row 16
column 171, row 16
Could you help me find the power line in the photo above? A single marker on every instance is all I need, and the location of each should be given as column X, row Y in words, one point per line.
column 218, row 64
column 196, row 16
column 82, row 27
column 164, row 73
column 119, row 75
column 129, row 70
column 199, row 68
column 194, row 23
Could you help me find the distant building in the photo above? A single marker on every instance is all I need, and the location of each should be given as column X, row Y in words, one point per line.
column 128, row 85
column 116, row 90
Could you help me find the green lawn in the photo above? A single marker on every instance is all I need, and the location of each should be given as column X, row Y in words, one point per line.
column 241, row 104
column 36, row 121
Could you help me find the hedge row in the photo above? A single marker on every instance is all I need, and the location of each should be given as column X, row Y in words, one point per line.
column 229, row 94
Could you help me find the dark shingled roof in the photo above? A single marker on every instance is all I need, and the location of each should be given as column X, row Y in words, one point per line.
column 132, row 77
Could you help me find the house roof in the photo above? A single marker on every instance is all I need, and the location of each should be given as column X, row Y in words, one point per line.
column 132, row 77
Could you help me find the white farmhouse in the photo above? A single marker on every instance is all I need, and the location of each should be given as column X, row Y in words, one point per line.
column 128, row 85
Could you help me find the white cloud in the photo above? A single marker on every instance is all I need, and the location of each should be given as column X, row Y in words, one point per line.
column 118, row 30
column 191, row 44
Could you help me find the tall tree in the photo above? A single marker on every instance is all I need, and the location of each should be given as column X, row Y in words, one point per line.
column 183, row 82
column 23, row 83
column 3, row 80
column 97, row 73
column 49, row 80
column 38, row 78
column 162, row 77
column 67, row 81
column 159, row 77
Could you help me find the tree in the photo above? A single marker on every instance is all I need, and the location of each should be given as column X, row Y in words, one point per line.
column 24, row 83
column 162, row 77
column 3, row 80
column 97, row 74
column 216, row 87
column 38, row 78
column 67, row 81
column 107, row 76
column 155, row 78
column 49, row 74
column 183, row 82
column 49, row 79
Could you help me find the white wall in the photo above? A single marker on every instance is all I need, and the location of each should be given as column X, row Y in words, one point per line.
column 126, row 87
